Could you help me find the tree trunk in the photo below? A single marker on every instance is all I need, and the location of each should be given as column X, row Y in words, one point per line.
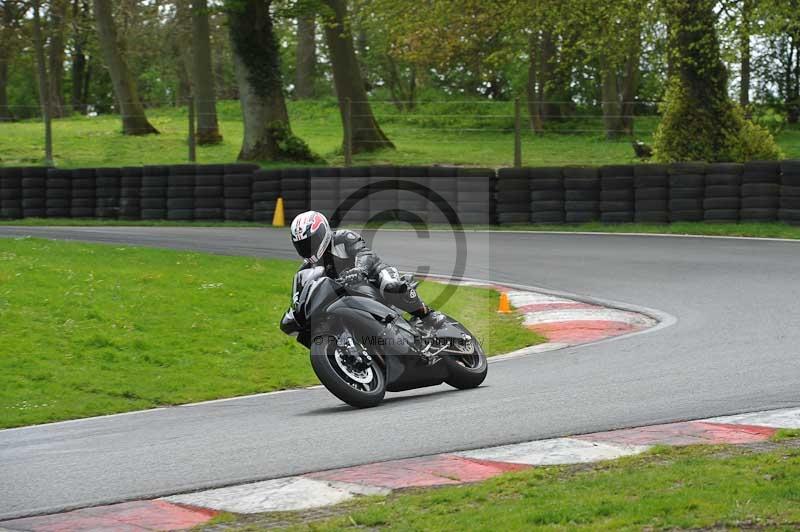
column 203, row 76
column 403, row 93
column 630, row 83
column 182, row 54
column 306, row 60
column 55, row 56
column 5, row 112
column 744, row 51
column 551, row 93
column 612, row 107
column 87, row 83
column 5, row 30
column 793, row 81
column 44, row 85
column 256, row 57
column 78, row 75
column 134, row 120
column 698, row 106
column 532, row 88
column 349, row 83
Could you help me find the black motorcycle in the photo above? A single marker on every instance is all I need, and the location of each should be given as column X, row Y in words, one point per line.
column 361, row 347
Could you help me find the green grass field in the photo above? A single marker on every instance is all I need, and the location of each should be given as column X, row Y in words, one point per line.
column 96, row 329
column 667, row 488
column 459, row 133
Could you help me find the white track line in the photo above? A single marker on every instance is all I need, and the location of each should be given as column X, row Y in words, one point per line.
column 788, row 418
column 554, row 452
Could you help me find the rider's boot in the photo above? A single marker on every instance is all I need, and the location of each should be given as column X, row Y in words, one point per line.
column 429, row 318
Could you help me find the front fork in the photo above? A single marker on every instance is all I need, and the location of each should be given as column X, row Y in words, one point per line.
column 347, row 344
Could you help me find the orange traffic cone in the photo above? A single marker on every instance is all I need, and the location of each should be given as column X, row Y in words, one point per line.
column 505, row 304
column 278, row 219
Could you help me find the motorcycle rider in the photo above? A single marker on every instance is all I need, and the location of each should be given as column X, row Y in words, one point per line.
column 345, row 255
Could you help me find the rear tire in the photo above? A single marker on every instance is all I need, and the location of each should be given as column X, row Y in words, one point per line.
column 333, row 377
column 466, row 371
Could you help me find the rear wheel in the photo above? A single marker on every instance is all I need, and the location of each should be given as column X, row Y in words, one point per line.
column 357, row 380
column 468, row 369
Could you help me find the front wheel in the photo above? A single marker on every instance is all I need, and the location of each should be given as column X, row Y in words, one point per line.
column 467, row 370
column 359, row 383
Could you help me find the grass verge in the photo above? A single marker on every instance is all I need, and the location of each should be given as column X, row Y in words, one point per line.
column 88, row 329
column 755, row 229
column 695, row 487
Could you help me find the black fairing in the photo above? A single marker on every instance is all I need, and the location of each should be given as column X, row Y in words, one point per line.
column 324, row 307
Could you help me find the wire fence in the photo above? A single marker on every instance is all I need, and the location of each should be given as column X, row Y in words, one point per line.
column 461, row 132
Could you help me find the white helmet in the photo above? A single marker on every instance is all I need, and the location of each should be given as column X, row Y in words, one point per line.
column 311, row 235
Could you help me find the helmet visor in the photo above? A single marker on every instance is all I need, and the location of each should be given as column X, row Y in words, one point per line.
column 311, row 248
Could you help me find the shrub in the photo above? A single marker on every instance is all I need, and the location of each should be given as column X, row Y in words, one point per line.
column 771, row 119
column 695, row 131
column 700, row 121
column 756, row 143
column 689, row 132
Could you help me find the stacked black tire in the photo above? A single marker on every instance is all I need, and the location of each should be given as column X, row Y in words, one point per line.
column 10, row 193
column 83, row 193
column 383, row 193
column 686, row 192
column 323, row 190
column 209, row 201
column 266, row 189
column 616, row 194
column 130, row 189
column 352, row 180
column 58, row 193
column 180, row 192
column 34, row 187
column 723, row 189
column 154, row 192
column 547, row 195
column 790, row 192
column 651, row 193
column 108, row 192
column 513, row 196
column 443, row 194
column 581, row 195
column 761, row 182
column 474, row 195
column 294, row 190
column 238, row 188
column 412, row 201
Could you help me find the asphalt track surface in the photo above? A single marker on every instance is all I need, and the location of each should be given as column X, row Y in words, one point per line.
column 735, row 347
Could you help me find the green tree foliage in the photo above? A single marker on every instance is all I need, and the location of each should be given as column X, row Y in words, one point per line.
column 700, row 122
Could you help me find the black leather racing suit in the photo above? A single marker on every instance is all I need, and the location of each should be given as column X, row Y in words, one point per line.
column 348, row 250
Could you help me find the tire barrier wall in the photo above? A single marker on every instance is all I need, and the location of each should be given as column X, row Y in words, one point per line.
column 616, row 194
column 722, row 192
column 761, row 183
column 789, row 211
column 209, row 192
column 130, row 186
column 238, row 191
column 723, row 188
column 581, row 195
column 651, row 193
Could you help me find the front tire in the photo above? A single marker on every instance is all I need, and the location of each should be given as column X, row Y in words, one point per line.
column 343, row 381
